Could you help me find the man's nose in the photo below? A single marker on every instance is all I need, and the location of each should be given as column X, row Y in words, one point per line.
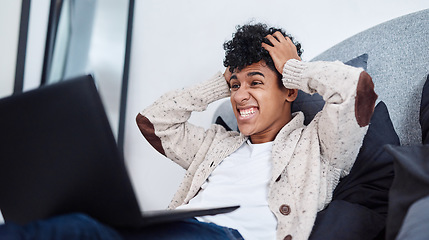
column 242, row 94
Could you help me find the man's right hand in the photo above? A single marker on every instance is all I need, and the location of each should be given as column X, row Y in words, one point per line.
column 227, row 75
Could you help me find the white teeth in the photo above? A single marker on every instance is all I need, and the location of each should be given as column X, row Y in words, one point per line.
column 247, row 112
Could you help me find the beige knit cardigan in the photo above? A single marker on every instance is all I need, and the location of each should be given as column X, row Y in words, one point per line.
column 308, row 161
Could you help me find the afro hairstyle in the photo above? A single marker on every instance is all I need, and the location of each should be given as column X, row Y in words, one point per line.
column 245, row 48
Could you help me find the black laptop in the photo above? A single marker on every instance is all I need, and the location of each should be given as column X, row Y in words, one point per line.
column 58, row 155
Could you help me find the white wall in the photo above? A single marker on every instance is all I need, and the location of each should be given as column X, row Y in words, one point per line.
column 179, row 43
column 107, row 52
column 10, row 16
column 37, row 29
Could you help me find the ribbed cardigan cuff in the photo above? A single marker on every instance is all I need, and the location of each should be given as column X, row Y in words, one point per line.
column 293, row 74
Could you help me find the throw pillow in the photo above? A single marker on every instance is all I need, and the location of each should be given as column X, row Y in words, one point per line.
column 311, row 104
column 367, row 185
column 424, row 112
column 372, row 173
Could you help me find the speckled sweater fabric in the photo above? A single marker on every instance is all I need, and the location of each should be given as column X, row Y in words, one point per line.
column 308, row 161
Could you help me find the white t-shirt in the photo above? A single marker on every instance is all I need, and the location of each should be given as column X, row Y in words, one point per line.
column 241, row 179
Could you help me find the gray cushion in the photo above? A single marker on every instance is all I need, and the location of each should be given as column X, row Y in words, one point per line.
column 359, row 205
column 310, row 105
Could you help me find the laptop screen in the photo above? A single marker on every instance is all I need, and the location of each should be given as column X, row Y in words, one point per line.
column 59, row 155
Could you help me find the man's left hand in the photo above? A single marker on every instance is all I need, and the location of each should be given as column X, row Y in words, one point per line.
column 282, row 50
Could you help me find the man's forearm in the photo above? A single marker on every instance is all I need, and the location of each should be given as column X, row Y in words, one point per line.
column 164, row 123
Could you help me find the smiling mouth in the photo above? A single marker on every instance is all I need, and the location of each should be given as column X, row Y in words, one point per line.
column 245, row 113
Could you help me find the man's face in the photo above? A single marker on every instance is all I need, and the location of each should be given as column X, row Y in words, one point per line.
column 260, row 105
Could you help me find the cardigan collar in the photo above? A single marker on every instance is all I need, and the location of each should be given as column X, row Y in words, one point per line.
column 283, row 150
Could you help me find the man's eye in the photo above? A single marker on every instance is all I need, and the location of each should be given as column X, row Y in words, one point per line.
column 254, row 83
column 235, row 87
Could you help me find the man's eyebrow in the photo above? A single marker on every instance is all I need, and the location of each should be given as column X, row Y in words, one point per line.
column 255, row 73
column 250, row 74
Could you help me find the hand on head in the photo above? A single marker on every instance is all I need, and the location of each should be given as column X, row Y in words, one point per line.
column 227, row 74
column 282, row 50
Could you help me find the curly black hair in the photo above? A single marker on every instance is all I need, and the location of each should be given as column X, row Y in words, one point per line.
column 245, row 48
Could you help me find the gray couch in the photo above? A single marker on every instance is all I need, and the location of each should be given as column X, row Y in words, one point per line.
column 396, row 55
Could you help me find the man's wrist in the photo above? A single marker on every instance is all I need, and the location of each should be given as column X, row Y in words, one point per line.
column 292, row 74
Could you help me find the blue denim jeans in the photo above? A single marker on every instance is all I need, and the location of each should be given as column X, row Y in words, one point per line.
column 189, row 229
column 67, row 227
column 80, row 226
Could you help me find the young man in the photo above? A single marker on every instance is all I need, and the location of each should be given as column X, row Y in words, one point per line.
column 278, row 170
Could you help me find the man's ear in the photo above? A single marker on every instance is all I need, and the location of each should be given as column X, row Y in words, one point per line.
column 291, row 94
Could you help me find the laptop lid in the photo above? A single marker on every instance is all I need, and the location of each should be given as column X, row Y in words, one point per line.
column 59, row 155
